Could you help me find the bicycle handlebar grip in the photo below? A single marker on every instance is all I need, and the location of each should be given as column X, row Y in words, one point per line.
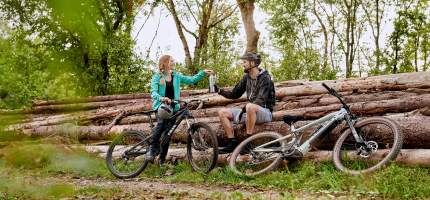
column 326, row 87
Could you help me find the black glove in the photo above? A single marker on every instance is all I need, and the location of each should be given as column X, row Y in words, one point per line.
column 216, row 88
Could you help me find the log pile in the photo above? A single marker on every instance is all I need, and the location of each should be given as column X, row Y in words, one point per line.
column 402, row 97
column 410, row 157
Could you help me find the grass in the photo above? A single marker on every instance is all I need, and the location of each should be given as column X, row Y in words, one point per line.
column 392, row 182
column 53, row 159
column 28, row 158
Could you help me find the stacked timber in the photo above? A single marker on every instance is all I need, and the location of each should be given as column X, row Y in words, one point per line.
column 404, row 98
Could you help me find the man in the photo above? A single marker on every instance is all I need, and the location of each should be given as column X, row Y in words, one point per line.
column 260, row 93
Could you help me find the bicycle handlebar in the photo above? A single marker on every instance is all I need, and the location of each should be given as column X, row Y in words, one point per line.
column 337, row 95
column 200, row 101
column 326, row 87
column 187, row 102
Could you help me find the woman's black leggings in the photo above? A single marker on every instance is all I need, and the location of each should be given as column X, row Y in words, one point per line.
column 161, row 126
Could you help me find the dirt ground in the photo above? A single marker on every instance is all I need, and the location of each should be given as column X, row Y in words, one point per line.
column 143, row 188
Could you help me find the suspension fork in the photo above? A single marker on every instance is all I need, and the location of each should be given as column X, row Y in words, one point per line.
column 351, row 122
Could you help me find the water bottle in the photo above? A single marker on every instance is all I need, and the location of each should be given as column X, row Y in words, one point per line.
column 211, row 83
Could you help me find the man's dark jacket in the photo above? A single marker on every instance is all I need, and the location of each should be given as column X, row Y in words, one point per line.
column 260, row 91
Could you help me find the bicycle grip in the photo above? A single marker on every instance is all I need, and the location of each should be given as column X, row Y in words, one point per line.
column 326, row 87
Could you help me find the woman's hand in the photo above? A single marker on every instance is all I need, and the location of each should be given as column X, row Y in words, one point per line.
column 208, row 71
column 166, row 100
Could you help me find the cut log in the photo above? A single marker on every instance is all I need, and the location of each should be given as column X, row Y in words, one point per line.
column 410, row 157
column 377, row 83
column 326, row 99
column 415, row 128
column 360, row 108
column 184, row 93
column 88, row 115
column 387, row 82
column 86, row 106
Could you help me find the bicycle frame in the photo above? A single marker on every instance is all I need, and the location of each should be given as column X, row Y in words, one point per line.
column 178, row 117
column 327, row 120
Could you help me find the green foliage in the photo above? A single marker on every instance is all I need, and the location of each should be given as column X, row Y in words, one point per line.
column 300, row 59
column 66, row 49
column 408, row 44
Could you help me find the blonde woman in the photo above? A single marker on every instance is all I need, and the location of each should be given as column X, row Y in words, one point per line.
column 165, row 87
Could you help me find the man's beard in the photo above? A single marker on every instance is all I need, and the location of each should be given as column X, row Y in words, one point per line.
column 247, row 70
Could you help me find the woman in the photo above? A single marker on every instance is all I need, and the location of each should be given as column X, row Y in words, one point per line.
column 165, row 87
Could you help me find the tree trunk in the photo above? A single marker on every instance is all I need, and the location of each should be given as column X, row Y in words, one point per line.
column 252, row 35
column 361, row 104
column 184, row 93
column 203, row 32
column 172, row 9
column 325, row 32
column 410, row 157
column 413, row 125
column 86, row 106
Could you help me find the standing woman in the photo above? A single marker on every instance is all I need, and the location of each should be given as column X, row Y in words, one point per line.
column 165, row 87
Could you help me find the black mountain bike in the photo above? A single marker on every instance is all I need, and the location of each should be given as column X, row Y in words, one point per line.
column 126, row 154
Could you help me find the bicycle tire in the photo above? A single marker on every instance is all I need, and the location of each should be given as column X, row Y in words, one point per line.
column 393, row 151
column 195, row 158
column 272, row 166
column 140, row 166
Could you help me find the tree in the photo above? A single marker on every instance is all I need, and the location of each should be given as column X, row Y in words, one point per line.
column 206, row 16
column 409, row 39
column 374, row 12
column 294, row 36
column 252, row 35
column 82, row 47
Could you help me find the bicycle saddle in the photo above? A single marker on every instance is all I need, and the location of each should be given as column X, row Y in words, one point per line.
column 291, row 118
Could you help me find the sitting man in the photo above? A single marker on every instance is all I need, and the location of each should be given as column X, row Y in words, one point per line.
column 260, row 92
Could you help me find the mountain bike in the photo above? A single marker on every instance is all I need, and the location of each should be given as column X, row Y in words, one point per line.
column 126, row 154
column 364, row 146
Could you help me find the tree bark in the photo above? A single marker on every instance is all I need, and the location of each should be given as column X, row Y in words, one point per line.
column 363, row 104
column 410, row 157
column 172, row 9
column 413, row 125
column 86, row 106
column 252, row 35
column 325, row 33
column 184, row 93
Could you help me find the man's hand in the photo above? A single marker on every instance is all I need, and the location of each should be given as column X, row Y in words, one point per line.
column 216, row 88
column 208, row 71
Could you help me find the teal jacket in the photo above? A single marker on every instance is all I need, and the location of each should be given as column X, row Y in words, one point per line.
column 158, row 86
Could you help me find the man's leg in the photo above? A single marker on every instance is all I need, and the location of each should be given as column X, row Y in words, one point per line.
column 225, row 118
column 256, row 114
column 251, row 117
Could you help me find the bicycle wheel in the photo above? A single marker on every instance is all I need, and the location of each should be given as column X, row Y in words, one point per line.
column 126, row 154
column 260, row 159
column 383, row 141
column 202, row 148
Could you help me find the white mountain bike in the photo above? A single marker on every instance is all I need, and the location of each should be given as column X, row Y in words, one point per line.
column 367, row 144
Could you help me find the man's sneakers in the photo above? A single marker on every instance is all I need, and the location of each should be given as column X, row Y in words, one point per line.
column 232, row 144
